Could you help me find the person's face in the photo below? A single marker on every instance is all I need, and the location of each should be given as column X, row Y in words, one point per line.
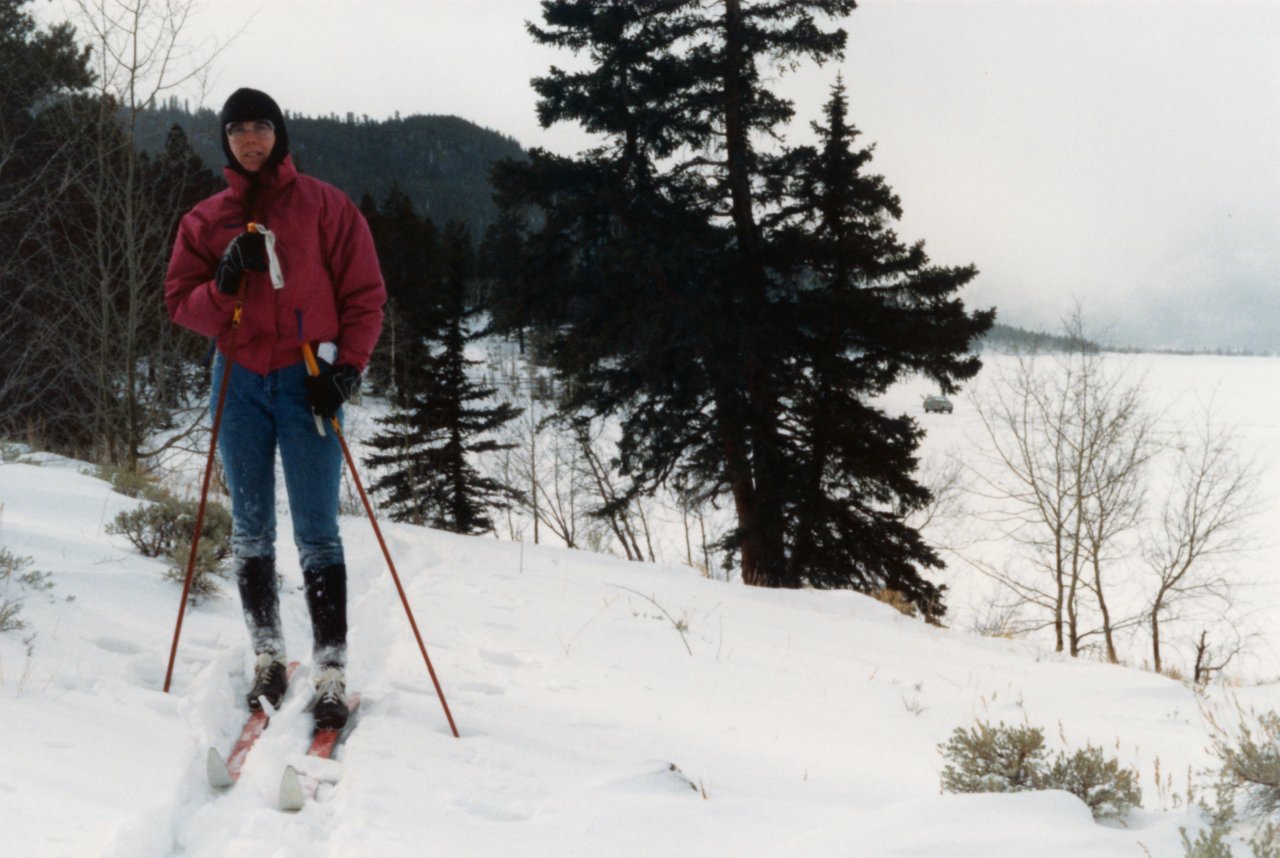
column 251, row 142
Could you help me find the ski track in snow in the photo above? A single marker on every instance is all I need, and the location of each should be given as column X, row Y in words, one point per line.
column 803, row 724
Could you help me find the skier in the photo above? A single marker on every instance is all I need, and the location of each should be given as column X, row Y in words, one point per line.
column 332, row 297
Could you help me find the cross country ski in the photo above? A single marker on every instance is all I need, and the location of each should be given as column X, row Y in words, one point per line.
column 225, row 772
column 296, row 787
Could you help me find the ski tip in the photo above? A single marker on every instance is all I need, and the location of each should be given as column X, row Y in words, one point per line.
column 216, row 768
column 291, row 795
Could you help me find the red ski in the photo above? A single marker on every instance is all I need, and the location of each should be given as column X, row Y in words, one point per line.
column 295, row 787
column 224, row 773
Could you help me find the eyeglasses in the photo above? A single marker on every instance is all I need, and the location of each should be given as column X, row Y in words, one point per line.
column 236, row 130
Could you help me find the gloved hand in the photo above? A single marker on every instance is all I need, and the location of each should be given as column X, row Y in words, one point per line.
column 333, row 386
column 247, row 252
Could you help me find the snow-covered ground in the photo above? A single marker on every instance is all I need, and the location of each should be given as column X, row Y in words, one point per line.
column 767, row 723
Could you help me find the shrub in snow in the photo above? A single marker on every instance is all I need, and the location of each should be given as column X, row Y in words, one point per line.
column 1251, row 760
column 1109, row 790
column 1212, row 841
column 1209, row 843
column 993, row 759
column 10, row 608
column 15, row 574
column 1013, row 759
column 1250, row 757
column 896, row 600
column 153, row 528
column 209, row 572
column 11, row 453
column 164, row 528
column 131, row 483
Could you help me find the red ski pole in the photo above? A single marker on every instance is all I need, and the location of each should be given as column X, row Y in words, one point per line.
column 314, row 369
column 208, row 473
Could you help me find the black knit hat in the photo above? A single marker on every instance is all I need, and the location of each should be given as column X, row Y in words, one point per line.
column 246, row 105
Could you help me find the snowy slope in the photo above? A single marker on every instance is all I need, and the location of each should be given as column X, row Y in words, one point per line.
column 802, row 723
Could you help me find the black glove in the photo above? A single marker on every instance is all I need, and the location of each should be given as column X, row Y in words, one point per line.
column 247, row 252
column 333, row 386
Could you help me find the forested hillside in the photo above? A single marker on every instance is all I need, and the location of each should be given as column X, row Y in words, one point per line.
column 440, row 162
column 1009, row 338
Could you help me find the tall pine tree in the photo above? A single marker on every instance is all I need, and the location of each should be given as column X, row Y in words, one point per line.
column 443, row 419
column 410, row 255
column 736, row 308
column 867, row 309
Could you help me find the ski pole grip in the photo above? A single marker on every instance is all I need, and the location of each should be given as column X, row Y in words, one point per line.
column 313, row 369
column 309, row 356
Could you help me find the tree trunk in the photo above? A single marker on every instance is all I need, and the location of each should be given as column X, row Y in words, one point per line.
column 756, row 489
column 1107, row 635
column 1060, row 597
column 1156, row 606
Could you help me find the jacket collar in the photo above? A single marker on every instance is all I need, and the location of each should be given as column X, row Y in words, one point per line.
column 267, row 180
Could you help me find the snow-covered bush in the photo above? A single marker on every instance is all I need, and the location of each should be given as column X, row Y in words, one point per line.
column 209, row 572
column 131, row 483
column 16, row 575
column 12, row 453
column 1013, row 759
column 1109, row 790
column 1250, row 756
column 1249, row 779
column 10, row 607
column 164, row 528
column 1214, row 841
column 993, row 759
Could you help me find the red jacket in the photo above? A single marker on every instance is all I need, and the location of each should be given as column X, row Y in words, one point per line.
column 333, row 286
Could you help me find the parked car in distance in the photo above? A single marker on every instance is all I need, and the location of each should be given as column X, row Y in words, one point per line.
column 938, row 404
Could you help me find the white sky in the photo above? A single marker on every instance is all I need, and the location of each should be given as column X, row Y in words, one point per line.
column 1122, row 153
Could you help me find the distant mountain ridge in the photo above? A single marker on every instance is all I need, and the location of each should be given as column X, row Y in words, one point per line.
column 440, row 162
column 1004, row 337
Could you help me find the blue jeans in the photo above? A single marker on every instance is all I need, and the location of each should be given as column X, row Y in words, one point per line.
column 264, row 412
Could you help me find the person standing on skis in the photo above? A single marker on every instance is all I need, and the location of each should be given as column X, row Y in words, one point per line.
column 331, row 297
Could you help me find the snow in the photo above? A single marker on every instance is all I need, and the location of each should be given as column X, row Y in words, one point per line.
column 770, row 723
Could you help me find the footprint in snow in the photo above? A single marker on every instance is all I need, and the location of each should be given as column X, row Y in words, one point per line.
column 120, row 647
column 504, row 659
column 488, row 811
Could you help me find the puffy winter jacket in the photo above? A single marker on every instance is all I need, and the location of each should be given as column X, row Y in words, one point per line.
column 333, row 288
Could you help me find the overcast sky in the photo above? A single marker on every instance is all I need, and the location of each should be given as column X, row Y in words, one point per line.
column 1120, row 153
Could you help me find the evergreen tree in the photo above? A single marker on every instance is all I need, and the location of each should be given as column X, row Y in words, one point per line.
column 175, row 180
column 410, row 255
column 178, row 166
column 445, row 420
column 735, row 308
column 867, row 310
column 501, row 261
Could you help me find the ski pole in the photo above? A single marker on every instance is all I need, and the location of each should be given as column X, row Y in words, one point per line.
column 208, row 473
column 313, row 369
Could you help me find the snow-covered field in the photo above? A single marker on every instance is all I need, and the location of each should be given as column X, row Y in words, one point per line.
column 801, row 723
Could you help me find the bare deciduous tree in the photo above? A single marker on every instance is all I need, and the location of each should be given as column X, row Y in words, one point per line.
column 1072, row 439
column 1202, row 524
column 42, row 68
column 564, row 466
column 626, row 516
column 110, row 250
column 1077, row 450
